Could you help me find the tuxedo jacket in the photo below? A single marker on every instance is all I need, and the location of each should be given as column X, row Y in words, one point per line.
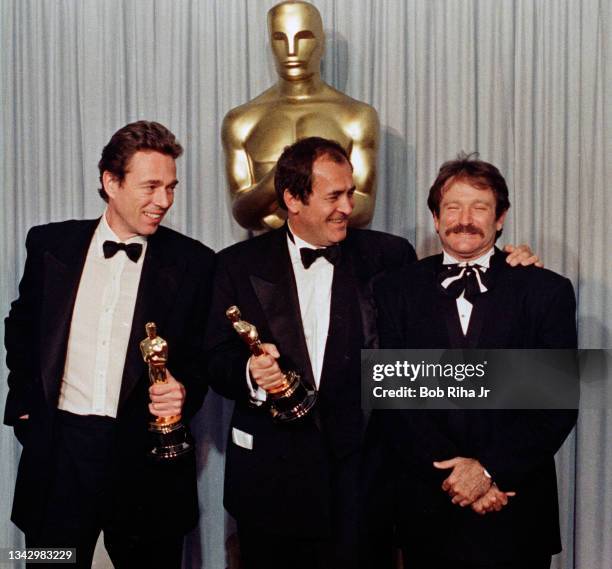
column 525, row 307
column 279, row 479
column 174, row 292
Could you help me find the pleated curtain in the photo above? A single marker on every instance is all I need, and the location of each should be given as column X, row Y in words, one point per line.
column 526, row 83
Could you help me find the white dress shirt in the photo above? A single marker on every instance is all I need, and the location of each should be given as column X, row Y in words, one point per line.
column 100, row 328
column 464, row 307
column 314, row 294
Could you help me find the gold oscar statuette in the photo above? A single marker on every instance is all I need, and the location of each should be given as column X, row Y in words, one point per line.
column 291, row 400
column 170, row 437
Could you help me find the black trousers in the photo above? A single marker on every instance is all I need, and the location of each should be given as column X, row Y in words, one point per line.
column 261, row 549
column 410, row 562
column 83, row 501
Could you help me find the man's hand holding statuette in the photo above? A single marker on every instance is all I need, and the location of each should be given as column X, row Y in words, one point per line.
column 264, row 369
column 167, row 398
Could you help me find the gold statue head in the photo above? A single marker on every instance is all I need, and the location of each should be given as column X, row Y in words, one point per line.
column 297, row 39
column 151, row 329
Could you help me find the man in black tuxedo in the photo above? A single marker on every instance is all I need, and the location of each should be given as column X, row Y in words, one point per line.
column 293, row 488
column 79, row 394
column 475, row 489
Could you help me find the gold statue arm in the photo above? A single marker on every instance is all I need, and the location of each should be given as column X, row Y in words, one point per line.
column 249, row 197
column 254, row 202
column 362, row 153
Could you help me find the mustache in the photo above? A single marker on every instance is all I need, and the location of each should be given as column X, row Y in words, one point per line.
column 461, row 228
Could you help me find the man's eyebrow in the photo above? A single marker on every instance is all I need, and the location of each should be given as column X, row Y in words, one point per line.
column 338, row 192
column 154, row 182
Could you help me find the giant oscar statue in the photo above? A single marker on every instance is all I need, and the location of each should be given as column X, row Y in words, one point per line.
column 299, row 105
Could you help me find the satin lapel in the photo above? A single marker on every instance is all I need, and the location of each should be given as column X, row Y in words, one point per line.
column 343, row 299
column 484, row 304
column 446, row 310
column 275, row 288
column 370, row 340
column 157, row 291
column 481, row 306
column 62, row 273
column 365, row 297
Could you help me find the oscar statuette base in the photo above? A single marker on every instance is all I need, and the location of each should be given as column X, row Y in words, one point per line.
column 169, row 440
column 292, row 403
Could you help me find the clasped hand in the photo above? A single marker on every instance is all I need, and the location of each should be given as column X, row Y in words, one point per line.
column 468, row 485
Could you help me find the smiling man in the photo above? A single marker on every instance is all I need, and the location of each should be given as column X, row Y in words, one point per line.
column 79, row 397
column 475, row 489
column 468, row 219
column 293, row 488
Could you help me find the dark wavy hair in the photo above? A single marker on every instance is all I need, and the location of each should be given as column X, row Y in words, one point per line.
column 478, row 173
column 132, row 138
column 294, row 167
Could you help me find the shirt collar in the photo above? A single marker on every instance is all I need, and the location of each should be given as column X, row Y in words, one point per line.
column 296, row 244
column 483, row 260
column 105, row 233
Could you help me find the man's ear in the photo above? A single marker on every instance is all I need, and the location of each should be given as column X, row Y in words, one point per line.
column 110, row 183
column 293, row 203
column 436, row 221
column 499, row 222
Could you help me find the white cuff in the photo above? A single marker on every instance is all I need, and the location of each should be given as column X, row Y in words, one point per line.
column 259, row 395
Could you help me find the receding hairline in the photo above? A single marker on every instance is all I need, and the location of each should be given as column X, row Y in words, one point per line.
column 331, row 155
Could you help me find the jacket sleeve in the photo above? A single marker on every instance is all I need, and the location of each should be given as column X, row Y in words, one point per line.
column 190, row 368
column 22, row 330
column 535, row 436
column 409, row 255
column 226, row 354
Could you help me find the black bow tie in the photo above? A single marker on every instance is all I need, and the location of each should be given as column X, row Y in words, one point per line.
column 309, row 256
column 467, row 283
column 132, row 250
